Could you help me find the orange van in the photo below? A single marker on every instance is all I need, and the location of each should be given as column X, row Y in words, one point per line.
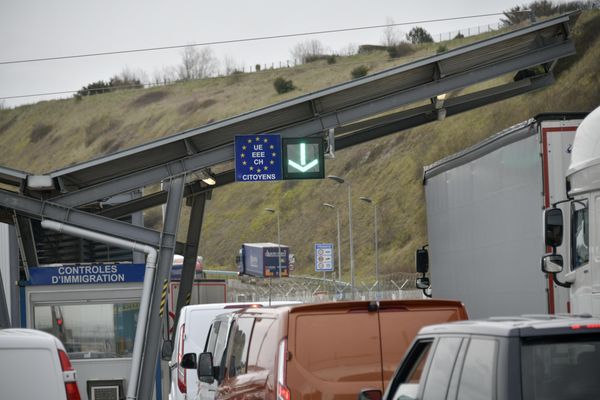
column 317, row 351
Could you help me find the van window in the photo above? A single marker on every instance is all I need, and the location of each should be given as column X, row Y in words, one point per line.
column 212, row 337
column 238, row 357
column 90, row 330
column 563, row 367
column 477, row 379
column 264, row 344
column 442, row 365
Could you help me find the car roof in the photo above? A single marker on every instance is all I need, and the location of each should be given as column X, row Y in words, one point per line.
column 523, row 326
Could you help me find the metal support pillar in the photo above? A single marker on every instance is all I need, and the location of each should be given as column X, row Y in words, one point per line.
column 4, row 314
column 15, row 304
column 137, row 219
column 26, row 241
column 190, row 254
column 145, row 383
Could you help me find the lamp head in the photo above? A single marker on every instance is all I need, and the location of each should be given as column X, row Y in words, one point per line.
column 336, row 178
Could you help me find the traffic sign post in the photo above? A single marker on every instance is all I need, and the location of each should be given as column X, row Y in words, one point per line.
column 257, row 158
column 323, row 257
column 303, row 158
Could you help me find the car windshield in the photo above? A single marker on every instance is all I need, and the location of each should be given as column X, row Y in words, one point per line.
column 564, row 367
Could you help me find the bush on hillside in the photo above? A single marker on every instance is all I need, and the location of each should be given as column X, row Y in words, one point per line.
column 283, row 85
column 441, row 48
column 400, row 50
column 39, row 132
column 459, row 36
column 115, row 83
column 369, row 48
column 359, row 71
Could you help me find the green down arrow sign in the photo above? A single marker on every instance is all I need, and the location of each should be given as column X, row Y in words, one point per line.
column 303, row 158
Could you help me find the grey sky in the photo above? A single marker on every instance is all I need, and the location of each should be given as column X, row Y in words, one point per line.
column 42, row 28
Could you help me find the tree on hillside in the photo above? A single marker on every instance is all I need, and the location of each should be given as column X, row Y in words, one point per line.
column 196, row 64
column 544, row 8
column 391, row 36
column 308, row 49
column 418, row 35
column 231, row 66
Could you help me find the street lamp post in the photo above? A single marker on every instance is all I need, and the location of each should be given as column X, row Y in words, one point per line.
column 271, row 210
column 370, row 201
column 339, row 245
column 340, row 181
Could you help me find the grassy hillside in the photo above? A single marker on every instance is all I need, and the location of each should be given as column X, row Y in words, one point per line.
column 54, row 134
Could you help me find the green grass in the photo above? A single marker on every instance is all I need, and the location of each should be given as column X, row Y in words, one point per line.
column 389, row 169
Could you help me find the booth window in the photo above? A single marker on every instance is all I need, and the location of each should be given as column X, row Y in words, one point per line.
column 92, row 330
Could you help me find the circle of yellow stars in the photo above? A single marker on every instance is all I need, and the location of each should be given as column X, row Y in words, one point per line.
column 264, row 168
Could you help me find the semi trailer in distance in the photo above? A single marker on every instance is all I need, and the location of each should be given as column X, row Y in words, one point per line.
column 264, row 260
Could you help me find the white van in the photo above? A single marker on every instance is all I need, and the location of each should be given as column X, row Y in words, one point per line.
column 190, row 337
column 35, row 365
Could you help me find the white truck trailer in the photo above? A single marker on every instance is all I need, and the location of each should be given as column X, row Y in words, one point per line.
column 579, row 253
column 483, row 218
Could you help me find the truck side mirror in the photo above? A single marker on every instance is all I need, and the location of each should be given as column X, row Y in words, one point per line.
column 423, row 283
column 422, row 260
column 166, row 350
column 205, row 368
column 553, row 227
column 552, row 263
column 188, row 361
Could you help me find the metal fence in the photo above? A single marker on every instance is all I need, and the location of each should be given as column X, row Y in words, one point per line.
column 314, row 290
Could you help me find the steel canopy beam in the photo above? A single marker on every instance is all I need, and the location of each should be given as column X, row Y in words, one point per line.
column 372, row 129
column 158, row 198
column 315, row 126
column 45, row 209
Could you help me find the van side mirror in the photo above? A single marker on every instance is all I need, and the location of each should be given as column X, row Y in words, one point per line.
column 553, row 227
column 166, row 350
column 422, row 260
column 188, row 361
column 552, row 263
column 370, row 394
column 205, row 368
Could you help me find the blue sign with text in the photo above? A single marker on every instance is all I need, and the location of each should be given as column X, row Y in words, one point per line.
column 323, row 257
column 86, row 274
column 258, row 158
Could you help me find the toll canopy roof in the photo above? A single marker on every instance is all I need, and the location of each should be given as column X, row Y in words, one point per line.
column 358, row 100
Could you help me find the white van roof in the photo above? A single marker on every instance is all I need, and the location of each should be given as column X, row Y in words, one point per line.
column 32, row 336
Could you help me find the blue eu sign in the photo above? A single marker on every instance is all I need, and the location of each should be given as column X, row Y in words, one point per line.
column 257, row 158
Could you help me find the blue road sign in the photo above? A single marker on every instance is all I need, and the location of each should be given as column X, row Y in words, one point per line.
column 323, row 257
column 258, row 158
column 87, row 274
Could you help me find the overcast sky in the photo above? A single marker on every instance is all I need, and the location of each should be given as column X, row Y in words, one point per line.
column 32, row 29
